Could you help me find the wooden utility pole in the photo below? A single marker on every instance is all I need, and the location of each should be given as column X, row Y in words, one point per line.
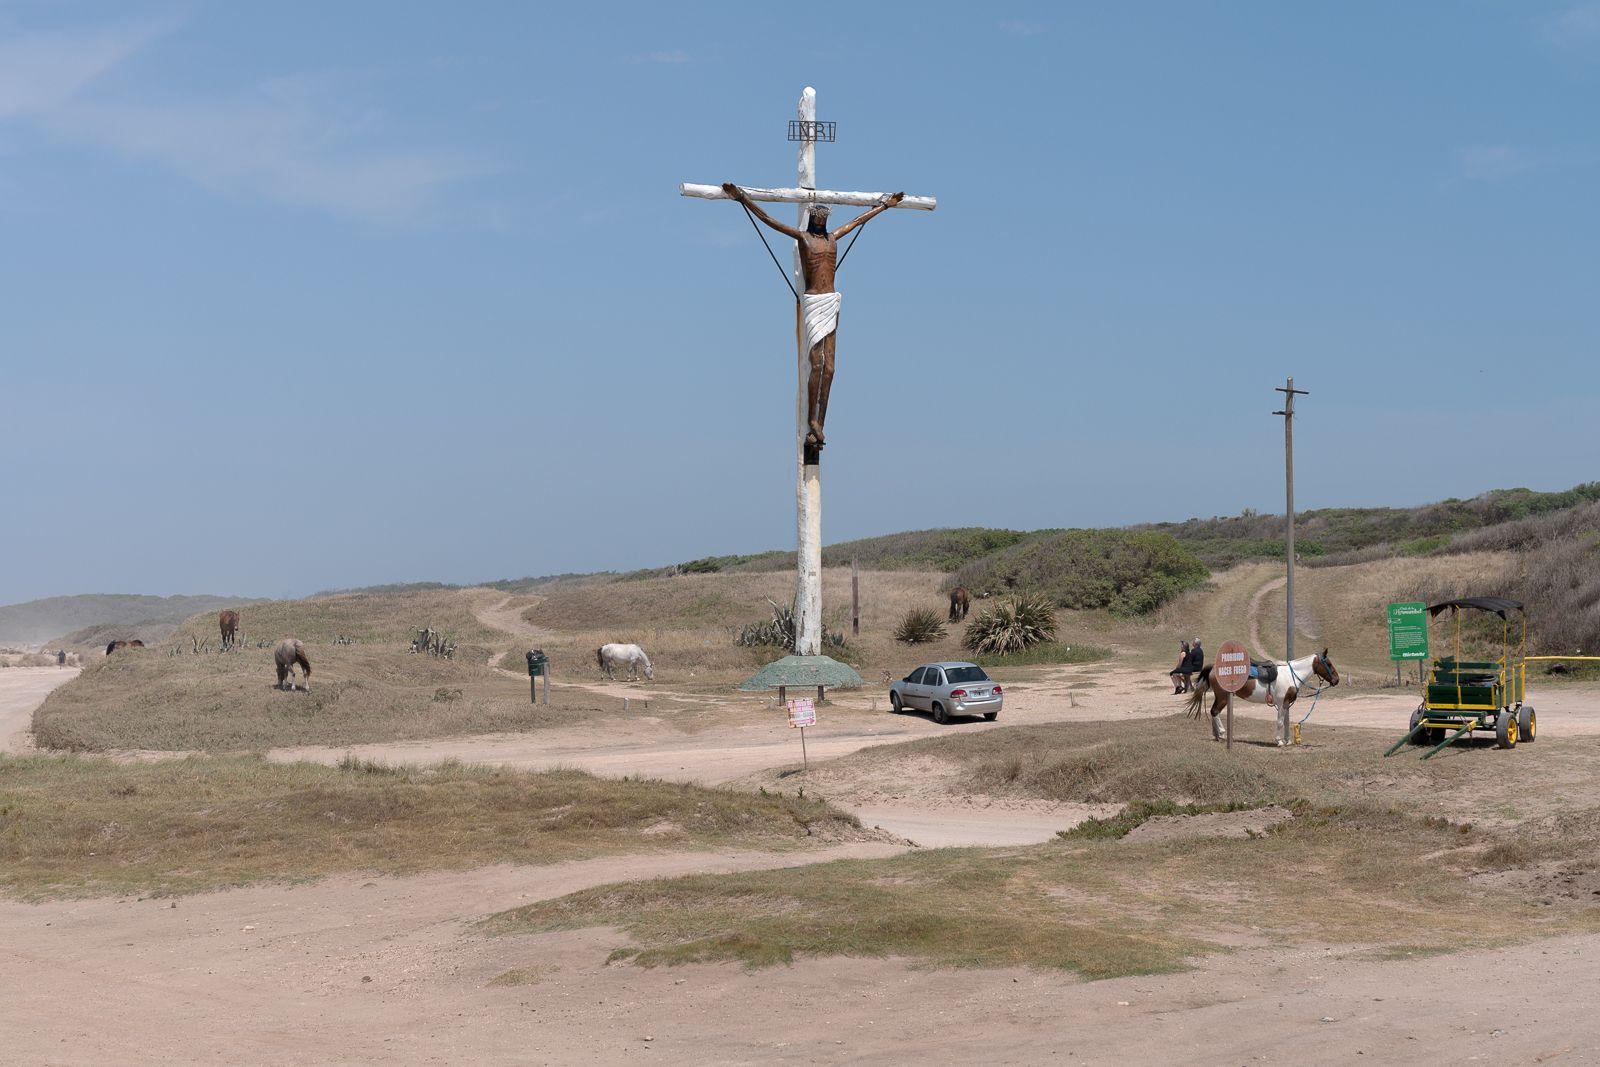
column 1287, row 411
column 855, row 600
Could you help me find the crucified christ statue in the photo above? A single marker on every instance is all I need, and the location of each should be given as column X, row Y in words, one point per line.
column 819, row 304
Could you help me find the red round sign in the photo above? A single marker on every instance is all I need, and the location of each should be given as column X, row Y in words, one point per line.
column 1231, row 668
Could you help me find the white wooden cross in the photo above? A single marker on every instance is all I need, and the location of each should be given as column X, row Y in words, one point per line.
column 808, row 481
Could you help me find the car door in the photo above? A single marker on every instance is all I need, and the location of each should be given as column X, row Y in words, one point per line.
column 932, row 686
column 911, row 689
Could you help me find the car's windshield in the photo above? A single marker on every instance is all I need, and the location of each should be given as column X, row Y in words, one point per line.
column 957, row 675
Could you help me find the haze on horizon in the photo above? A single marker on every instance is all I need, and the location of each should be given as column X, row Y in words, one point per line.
column 311, row 297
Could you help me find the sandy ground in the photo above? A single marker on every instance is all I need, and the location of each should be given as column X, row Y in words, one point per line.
column 393, row 970
column 21, row 690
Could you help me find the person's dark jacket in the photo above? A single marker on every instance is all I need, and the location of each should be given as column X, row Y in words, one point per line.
column 1196, row 660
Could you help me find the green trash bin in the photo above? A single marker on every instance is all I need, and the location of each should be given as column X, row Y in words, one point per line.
column 538, row 667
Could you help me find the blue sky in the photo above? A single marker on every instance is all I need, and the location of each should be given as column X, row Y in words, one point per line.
column 306, row 295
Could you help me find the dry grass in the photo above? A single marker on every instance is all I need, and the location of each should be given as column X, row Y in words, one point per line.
column 949, row 907
column 92, row 826
column 687, row 623
column 373, row 690
column 1100, row 907
column 368, row 618
column 146, row 699
column 30, row 659
column 1344, row 607
column 1345, row 869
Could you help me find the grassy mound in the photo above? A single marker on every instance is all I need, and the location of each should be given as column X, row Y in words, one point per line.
column 1097, row 905
column 147, row 699
column 93, row 826
column 1124, row 572
column 1379, row 847
column 374, row 689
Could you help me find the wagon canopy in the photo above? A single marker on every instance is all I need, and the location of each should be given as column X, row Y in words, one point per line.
column 1497, row 605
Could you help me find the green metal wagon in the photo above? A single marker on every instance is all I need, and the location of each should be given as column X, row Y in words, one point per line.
column 1463, row 696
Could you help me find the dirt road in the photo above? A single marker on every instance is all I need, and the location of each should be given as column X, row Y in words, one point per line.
column 387, row 970
column 21, row 690
column 391, row 971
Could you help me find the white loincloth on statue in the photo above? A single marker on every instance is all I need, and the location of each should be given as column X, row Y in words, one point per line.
column 820, row 313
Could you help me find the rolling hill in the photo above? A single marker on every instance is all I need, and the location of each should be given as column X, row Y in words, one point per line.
column 35, row 622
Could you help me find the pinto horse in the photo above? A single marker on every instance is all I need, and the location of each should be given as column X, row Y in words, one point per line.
column 1292, row 676
column 960, row 601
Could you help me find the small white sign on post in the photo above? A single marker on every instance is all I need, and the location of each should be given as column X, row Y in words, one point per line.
column 803, row 713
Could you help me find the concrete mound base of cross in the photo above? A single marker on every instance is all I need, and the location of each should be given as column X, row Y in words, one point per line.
column 803, row 673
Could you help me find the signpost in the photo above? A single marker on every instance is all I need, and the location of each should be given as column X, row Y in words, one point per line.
column 1408, row 633
column 802, row 713
column 538, row 667
column 1232, row 670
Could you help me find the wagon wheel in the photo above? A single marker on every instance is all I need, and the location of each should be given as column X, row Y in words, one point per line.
column 1429, row 736
column 1527, row 724
column 1505, row 730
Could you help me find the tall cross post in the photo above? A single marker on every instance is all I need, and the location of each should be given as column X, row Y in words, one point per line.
column 808, row 479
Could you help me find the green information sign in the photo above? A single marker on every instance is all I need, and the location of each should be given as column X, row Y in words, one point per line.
column 1408, row 631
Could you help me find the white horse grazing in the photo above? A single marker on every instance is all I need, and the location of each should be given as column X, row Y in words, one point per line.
column 1313, row 672
column 612, row 656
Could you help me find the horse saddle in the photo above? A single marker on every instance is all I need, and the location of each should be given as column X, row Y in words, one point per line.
column 1265, row 673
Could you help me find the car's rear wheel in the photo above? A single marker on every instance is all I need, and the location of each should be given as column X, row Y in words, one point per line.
column 991, row 715
column 940, row 716
column 894, row 702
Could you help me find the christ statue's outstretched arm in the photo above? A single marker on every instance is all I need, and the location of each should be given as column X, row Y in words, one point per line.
column 868, row 215
column 755, row 209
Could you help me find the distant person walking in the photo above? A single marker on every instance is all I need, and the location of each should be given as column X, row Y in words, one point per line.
column 61, row 657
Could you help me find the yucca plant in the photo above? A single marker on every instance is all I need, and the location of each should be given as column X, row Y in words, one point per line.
column 780, row 631
column 919, row 626
column 1011, row 625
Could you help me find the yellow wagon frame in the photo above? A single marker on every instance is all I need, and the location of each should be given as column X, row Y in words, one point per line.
column 1461, row 696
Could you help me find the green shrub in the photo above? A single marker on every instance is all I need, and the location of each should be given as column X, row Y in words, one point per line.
column 1012, row 625
column 1423, row 546
column 1127, row 572
column 919, row 626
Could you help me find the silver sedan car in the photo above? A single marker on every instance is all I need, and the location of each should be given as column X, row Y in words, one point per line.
column 947, row 689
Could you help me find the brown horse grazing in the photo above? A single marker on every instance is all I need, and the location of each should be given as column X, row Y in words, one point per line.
column 960, row 601
column 1283, row 682
column 228, row 623
column 286, row 656
column 117, row 645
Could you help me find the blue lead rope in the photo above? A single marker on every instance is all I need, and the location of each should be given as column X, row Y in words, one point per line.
column 1315, row 693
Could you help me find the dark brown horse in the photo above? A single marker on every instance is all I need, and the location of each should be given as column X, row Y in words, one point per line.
column 960, row 601
column 289, row 654
column 1281, row 692
column 228, row 623
column 117, row 645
